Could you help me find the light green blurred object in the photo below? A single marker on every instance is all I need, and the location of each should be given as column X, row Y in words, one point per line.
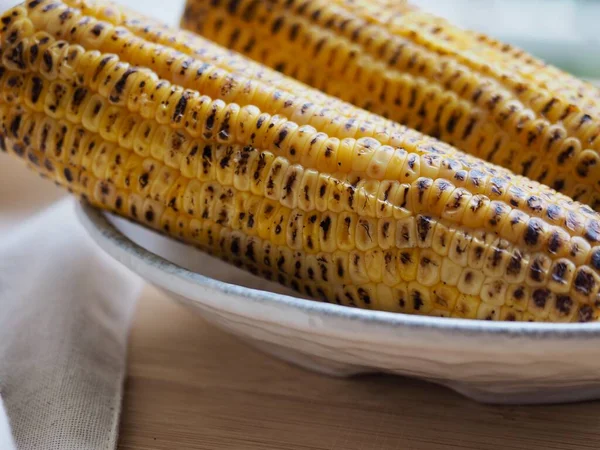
column 565, row 33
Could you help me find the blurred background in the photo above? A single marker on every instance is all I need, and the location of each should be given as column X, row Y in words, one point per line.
column 562, row 32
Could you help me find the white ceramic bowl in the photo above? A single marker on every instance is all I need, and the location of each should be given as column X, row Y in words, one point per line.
column 496, row 362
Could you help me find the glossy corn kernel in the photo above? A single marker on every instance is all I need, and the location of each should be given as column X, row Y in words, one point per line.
column 485, row 97
column 337, row 203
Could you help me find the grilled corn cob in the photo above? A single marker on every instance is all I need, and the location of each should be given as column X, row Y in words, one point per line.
column 193, row 140
column 485, row 97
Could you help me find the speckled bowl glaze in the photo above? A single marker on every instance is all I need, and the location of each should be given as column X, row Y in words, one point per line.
column 490, row 362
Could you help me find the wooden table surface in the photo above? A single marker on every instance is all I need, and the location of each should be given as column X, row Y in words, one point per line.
column 191, row 386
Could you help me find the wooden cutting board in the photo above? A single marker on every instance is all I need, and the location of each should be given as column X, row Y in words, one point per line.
column 192, row 386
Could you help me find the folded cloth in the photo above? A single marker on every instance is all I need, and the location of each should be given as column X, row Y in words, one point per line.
column 65, row 310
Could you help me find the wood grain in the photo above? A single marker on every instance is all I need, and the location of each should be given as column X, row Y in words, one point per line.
column 191, row 386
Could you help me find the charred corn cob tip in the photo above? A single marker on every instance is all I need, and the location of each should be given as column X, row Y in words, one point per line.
column 488, row 98
column 337, row 203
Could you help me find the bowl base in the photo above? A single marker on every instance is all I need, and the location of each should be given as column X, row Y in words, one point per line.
column 539, row 396
column 309, row 362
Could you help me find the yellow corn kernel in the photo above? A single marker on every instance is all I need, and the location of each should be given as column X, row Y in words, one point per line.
column 176, row 133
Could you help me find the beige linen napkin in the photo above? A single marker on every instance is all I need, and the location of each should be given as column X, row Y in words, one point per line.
column 65, row 310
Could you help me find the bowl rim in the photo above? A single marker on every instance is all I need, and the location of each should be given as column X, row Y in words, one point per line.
column 100, row 229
